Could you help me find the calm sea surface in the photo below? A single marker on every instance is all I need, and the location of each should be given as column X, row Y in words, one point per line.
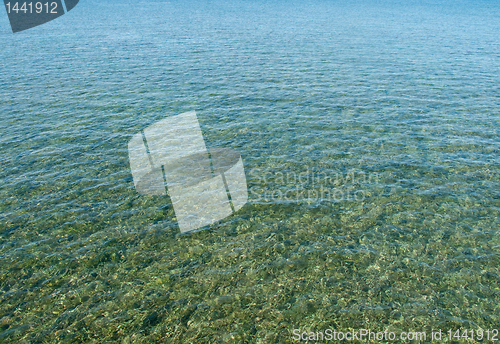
column 369, row 132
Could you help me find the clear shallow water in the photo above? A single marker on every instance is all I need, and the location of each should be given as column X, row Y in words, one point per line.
column 369, row 133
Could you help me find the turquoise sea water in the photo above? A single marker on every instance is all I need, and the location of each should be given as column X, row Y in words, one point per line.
column 369, row 132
